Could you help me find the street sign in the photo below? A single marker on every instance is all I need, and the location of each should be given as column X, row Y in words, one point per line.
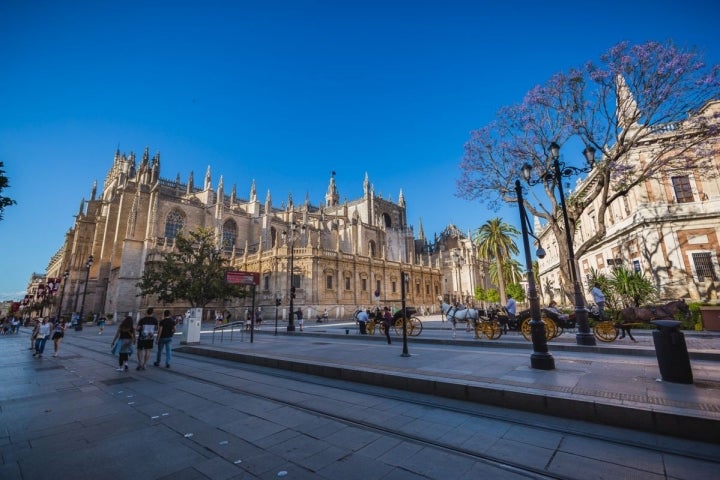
column 242, row 278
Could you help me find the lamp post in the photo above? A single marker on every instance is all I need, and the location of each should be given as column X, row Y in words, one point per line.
column 583, row 336
column 62, row 293
column 89, row 263
column 459, row 262
column 540, row 358
column 291, row 237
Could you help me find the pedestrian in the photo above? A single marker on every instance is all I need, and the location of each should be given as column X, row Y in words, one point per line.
column 362, row 318
column 58, row 334
column 248, row 319
column 599, row 299
column 258, row 317
column 123, row 342
column 101, row 324
column 15, row 325
column 146, row 329
column 33, row 334
column 387, row 322
column 41, row 339
column 511, row 309
column 165, row 336
column 299, row 316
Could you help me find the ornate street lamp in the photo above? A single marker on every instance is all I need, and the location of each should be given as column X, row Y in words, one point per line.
column 583, row 336
column 459, row 261
column 62, row 293
column 290, row 238
column 540, row 358
column 89, row 263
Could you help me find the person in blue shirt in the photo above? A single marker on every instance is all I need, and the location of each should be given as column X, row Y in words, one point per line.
column 511, row 309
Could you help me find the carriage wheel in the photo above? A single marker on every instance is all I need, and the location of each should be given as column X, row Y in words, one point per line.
column 492, row 329
column 605, row 331
column 398, row 326
column 551, row 329
column 371, row 327
column 478, row 329
column 526, row 330
column 416, row 326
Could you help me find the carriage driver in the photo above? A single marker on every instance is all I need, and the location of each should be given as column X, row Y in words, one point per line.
column 599, row 299
column 511, row 309
column 362, row 318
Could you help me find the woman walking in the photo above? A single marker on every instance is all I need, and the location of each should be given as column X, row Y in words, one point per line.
column 43, row 333
column 125, row 336
column 58, row 334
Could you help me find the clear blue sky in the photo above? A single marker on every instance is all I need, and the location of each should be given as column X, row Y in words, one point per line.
column 283, row 92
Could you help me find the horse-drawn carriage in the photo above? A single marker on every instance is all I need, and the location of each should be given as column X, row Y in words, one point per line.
column 603, row 330
column 482, row 322
column 555, row 323
column 608, row 330
column 413, row 324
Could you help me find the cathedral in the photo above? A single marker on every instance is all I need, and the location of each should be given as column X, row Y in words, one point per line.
column 343, row 255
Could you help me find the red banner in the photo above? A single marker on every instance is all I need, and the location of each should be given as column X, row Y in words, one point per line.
column 242, row 278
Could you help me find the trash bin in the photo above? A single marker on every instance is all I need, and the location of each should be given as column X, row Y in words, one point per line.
column 671, row 351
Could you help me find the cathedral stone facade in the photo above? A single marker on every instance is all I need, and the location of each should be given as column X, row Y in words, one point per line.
column 344, row 254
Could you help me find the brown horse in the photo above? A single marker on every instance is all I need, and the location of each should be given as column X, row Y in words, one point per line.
column 633, row 315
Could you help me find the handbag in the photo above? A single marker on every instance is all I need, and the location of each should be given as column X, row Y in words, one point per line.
column 115, row 348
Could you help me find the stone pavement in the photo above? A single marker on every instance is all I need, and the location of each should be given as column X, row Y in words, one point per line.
column 614, row 384
column 75, row 417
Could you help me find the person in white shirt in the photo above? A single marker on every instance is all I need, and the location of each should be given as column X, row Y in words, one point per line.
column 511, row 309
column 42, row 337
column 362, row 318
column 599, row 299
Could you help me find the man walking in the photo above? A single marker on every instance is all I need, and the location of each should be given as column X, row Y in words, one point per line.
column 165, row 336
column 147, row 327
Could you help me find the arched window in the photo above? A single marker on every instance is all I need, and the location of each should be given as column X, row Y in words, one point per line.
column 229, row 235
column 273, row 236
column 387, row 221
column 173, row 224
column 371, row 248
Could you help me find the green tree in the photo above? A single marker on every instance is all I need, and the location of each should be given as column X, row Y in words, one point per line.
column 194, row 271
column 624, row 101
column 495, row 241
column 4, row 183
column 480, row 294
column 512, row 272
column 492, row 295
column 516, row 290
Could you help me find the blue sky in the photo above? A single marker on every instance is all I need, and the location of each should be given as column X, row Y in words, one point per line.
column 282, row 92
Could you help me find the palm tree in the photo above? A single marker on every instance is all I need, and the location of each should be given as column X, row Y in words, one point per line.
column 512, row 272
column 495, row 240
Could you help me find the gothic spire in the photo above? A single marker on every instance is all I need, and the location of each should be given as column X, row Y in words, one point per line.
column 208, row 181
column 191, row 181
column 332, row 197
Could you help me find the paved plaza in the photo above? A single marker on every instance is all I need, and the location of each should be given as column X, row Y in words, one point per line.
column 73, row 416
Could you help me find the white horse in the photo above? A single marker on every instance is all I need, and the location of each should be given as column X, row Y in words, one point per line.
column 460, row 314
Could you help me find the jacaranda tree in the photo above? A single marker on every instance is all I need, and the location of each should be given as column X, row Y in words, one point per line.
column 615, row 105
